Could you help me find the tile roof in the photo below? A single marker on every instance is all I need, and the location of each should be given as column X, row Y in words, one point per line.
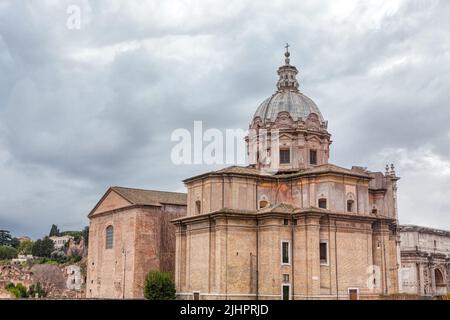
column 250, row 171
column 151, row 197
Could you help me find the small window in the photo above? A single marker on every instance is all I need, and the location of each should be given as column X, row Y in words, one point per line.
column 285, row 156
column 196, row 295
column 353, row 294
column 313, row 157
column 198, row 207
column 109, row 237
column 286, row 278
column 286, row 292
column 322, row 203
column 286, row 222
column 374, row 211
column 350, row 205
column 285, row 254
column 323, row 252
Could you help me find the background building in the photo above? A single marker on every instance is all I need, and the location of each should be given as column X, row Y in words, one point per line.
column 425, row 257
column 60, row 241
column 129, row 235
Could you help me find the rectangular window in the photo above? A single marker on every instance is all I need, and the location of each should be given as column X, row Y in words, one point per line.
column 286, row 222
column 285, row 254
column 322, row 203
column 198, row 207
column 285, row 156
column 313, row 157
column 324, row 253
column 286, row 292
column 285, row 278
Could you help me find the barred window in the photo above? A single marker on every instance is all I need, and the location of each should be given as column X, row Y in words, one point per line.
column 312, row 157
column 285, row 156
column 109, row 237
column 285, row 252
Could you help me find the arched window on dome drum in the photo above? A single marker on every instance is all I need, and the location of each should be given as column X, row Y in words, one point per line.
column 109, row 237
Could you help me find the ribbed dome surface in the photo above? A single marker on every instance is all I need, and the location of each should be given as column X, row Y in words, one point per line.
column 295, row 103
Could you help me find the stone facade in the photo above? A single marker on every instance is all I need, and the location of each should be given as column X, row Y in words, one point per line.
column 290, row 225
column 141, row 239
column 425, row 261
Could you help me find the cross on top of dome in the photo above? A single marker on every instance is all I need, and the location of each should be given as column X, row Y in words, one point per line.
column 287, row 73
column 287, row 54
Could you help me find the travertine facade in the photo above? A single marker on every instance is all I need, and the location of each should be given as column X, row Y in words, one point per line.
column 425, row 261
column 290, row 225
column 130, row 234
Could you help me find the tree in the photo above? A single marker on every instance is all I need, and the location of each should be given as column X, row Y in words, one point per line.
column 85, row 235
column 54, row 231
column 25, row 247
column 159, row 286
column 7, row 253
column 43, row 248
column 5, row 238
column 15, row 243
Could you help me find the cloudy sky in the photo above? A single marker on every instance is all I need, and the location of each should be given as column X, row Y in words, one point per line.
column 84, row 109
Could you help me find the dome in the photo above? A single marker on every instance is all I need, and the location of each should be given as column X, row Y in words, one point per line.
column 288, row 98
column 295, row 103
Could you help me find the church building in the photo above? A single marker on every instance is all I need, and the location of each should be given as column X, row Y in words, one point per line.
column 290, row 225
column 130, row 234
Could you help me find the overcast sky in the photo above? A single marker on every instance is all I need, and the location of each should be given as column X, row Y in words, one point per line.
column 84, row 109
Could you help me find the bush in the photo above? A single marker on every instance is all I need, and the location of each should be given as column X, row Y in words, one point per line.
column 37, row 291
column 19, row 290
column 159, row 286
column 7, row 253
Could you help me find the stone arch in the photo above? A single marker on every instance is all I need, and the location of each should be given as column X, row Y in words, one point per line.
column 350, row 202
column 439, row 277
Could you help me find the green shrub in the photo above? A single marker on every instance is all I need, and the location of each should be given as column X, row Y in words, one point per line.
column 37, row 291
column 7, row 253
column 159, row 286
column 19, row 290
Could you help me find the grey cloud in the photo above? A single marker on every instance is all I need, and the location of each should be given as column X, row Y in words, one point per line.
column 76, row 117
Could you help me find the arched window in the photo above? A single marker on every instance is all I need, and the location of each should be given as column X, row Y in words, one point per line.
column 109, row 237
column 439, row 278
